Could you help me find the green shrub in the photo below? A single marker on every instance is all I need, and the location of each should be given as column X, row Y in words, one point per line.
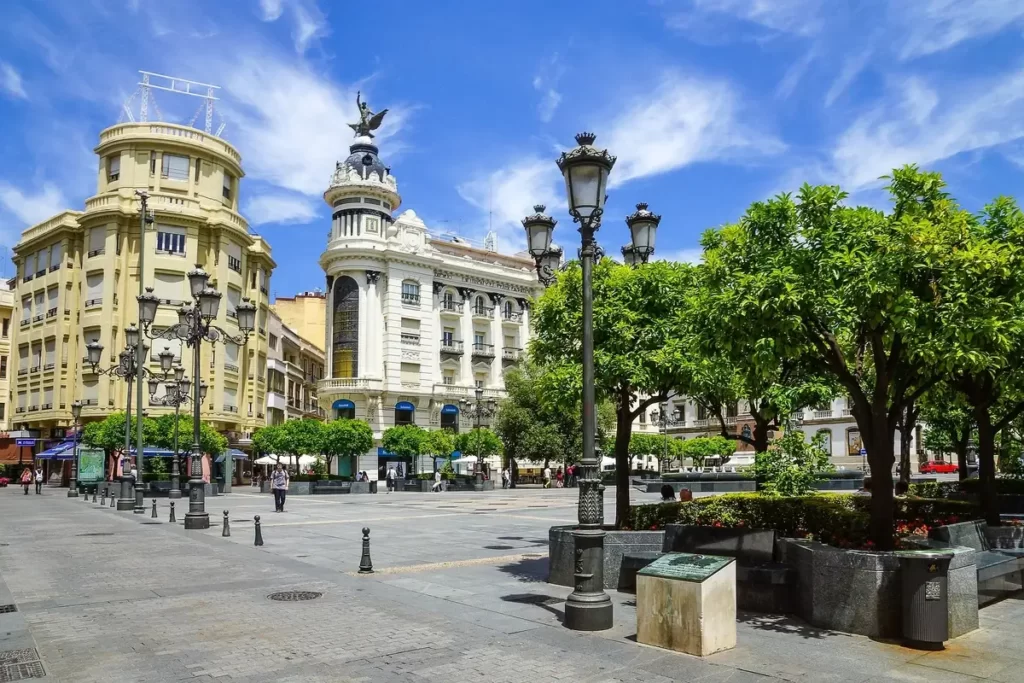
column 791, row 466
column 967, row 487
column 837, row 519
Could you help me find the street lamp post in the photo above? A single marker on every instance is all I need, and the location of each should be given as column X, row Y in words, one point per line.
column 76, row 413
column 194, row 326
column 130, row 367
column 664, row 422
column 585, row 169
column 482, row 409
column 176, row 392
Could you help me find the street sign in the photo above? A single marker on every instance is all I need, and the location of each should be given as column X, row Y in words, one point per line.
column 24, row 442
column 863, row 451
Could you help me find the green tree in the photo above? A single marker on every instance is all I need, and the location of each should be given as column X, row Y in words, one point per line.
column 108, row 433
column 302, row 437
column 210, row 440
column 267, row 440
column 405, row 441
column 439, row 443
column 700, row 448
column 640, row 345
column 480, row 442
column 345, row 439
column 949, row 423
column 848, row 292
column 791, row 465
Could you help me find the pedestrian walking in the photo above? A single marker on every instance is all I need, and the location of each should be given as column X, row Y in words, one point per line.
column 279, row 485
column 571, row 471
column 558, row 478
column 25, row 479
column 547, row 477
column 505, row 477
column 39, row 480
column 437, row 481
column 391, row 478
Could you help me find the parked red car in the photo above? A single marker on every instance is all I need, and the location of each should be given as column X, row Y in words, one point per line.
column 939, row 467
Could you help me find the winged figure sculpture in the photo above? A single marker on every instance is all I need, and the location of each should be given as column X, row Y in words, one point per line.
column 368, row 121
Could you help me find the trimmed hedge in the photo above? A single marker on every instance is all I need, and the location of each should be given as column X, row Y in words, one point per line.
column 962, row 489
column 318, row 477
column 840, row 520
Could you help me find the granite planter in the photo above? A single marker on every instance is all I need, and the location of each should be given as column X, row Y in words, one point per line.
column 360, row 487
column 860, row 592
column 561, row 547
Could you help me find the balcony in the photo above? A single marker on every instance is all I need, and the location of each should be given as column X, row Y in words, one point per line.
column 459, row 390
column 40, row 273
column 93, row 402
column 231, row 367
column 38, row 318
column 22, row 371
column 409, row 339
column 483, row 312
column 410, row 299
column 48, row 366
column 451, row 307
column 90, row 303
column 847, row 412
column 96, row 252
column 51, row 313
column 483, row 351
column 25, row 322
column 511, row 353
column 821, row 414
column 33, row 409
column 328, row 389
column 34, row 368
column 230, row 409
column 234, row 264
column 451, row 346
column 512, row 316
column 47, row 406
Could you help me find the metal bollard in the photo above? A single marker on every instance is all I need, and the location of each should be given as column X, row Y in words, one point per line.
column 103, row 497
column 365, row 565
column 94, row 493
column 227, row 527
column 154, row 510
column 172, row 513
column 113, row 500
column 259, row 534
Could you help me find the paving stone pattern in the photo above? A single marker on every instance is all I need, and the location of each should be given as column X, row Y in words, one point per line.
column 158, row 603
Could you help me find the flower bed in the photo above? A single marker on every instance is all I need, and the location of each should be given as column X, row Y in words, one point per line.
column 838, row 520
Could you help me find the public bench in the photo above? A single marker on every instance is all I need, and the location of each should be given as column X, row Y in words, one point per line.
column 998, row 555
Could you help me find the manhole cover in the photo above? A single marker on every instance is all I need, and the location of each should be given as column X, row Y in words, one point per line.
column 19, row 672
column 8, row 608
column 294, row 596
column 498, row 547
column 17, row 656
column 97, row 533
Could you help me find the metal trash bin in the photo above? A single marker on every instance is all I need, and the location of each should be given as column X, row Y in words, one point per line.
column 373, row 486
column 925, row 595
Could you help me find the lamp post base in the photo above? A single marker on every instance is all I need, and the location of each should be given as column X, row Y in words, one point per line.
column 126, row 499
column 174, row 493
column 589, row 608
column 140, row 507
column 73, row 491
column 588, row 612
column 478, row 482
column 197, row 517
column 199, row 520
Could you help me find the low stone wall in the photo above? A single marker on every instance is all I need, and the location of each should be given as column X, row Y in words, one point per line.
column 561, row 547
column 860, row 592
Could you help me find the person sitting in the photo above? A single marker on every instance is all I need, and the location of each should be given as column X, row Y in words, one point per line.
column 667, row 494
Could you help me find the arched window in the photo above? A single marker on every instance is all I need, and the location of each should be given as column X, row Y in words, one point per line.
column 508, row 310
column 345, row 329
column 479, row 306
column 405, row 413
column 344, row 409
column 827, row 434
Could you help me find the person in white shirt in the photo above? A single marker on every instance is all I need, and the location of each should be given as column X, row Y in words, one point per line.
column 547, row 477
column 437, row 481
column 39, row 480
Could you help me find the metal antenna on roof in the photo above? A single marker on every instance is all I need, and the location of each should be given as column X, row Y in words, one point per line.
column 182, row 86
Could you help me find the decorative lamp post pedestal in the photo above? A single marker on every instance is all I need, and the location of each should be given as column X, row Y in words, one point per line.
column 139, row 507
column 175, row 492
column 589, row 608
column 478, row 480
column 196, row 517
column 126, row 500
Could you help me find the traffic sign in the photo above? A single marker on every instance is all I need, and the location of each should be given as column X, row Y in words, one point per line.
column 24, row 442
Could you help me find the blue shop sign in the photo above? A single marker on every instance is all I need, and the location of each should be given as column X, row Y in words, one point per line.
column 449, row 409
column 404, row 405
column 342, row 404
column 24, row 442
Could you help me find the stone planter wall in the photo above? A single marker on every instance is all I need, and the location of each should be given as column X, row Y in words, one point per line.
column 860, row 592
column 561, row 547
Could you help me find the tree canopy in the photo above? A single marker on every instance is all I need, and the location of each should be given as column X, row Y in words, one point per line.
column 405, row 441
column 480, row 442
column 345, row 439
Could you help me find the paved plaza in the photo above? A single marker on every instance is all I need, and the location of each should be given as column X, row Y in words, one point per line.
column 458, row 595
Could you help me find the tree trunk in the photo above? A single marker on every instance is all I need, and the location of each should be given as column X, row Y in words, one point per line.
column 881, row 458
column 960, row 447
column 987, row 465
column 623, row 424
column 906, row 437
column 760, row 435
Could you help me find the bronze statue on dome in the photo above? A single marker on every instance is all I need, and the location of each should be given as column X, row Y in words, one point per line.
column 368, row 121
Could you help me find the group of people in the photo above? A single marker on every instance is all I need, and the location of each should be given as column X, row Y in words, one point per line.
column 28, row 477
column 568, row 478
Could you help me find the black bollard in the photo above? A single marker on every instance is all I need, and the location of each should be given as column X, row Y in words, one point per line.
column 154, row 510
column 94, row 493
column 365, row 565
column 172, row 513
column 113, row 500
column 227, row 527
column 259, row 534
column 103, row 497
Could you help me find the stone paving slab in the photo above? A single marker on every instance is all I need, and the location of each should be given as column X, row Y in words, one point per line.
column 460, row 597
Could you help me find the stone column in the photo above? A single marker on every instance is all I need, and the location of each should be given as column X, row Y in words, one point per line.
column 466, row 363
column 374, row 329
column 498, row 339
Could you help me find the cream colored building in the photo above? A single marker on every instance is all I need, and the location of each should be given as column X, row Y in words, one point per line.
column 294, row 366
column 78, row 278
column 305, row 314
column 6, row 330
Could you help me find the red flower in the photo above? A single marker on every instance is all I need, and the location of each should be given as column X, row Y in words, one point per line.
column 717, row 524
column 654, row 527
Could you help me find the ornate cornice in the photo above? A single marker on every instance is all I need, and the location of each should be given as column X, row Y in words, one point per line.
column 495, row 297
column 485, row 282
column 372, row 276
column 466, row 292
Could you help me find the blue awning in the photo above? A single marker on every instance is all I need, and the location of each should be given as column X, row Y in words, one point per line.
column 154, row 452
column 342, row 404
column 404, row 405
column 63, row 451
column 235, row 455
column 449, row 409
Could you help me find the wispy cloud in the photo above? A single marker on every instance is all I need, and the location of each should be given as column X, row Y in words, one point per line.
column 308, row 22
column 10, row 81
column 852, row 66
column 546, row 83
column 26, row 207
column 685, row 120
column 794, row 74
column 929, row 27
column 767, row 17
column 271, row 9
column 280, row 208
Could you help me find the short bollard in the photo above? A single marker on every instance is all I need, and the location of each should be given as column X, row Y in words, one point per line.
column 154, row 510
column 94, row 494
column 172, row 513
column 259, row 534
column 113, row 500
column 103, row 497
column 227, row 527
column 365, row 565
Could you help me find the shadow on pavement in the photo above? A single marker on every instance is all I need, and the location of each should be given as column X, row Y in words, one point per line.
column 784, row 624
column 528, row 569
column 538, row 600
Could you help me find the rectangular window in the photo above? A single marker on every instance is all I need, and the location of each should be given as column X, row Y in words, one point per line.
column 3, row 411
column 40, row 303
column 231, row 356
column 30, row 266
column 169, row 286
column 26, row 308
column 94, row 289
column 64, row 351
column 56, row 256
column 51, row 302
column 410, row 292
column 198, row 164
column 478, row 338
column 230, row 399
column 478, row 382
column 51, row 352
column 234, row 298
column 47, row 398
column 3, row 367
column 410, row 373
column 6, row 328
column 448, row 377
column 272, row 342
column 448, row 336
column 152, row 164
column 170, row 239
column 97, row 240
column 37, row 356
column 174, row 167
column 643, row 418
column 113, row 168
column 228, row 183
column 91, row 392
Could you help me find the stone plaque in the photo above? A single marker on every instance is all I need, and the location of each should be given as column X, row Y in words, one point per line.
column 685, row 567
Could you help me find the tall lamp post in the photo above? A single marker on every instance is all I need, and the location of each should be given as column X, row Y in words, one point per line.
column 664, row 421
column 176, row 392
column 194, row 326
column 482, row 409
column 76, row 412
column 130, row 367
column 585, row 169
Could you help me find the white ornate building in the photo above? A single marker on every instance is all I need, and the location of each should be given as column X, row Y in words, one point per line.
column 413, row 322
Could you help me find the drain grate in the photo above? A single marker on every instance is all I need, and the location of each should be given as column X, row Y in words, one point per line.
column 96, row 533
column 19, row 672
column 18, row 656
column 4, row 609
column 294, row 596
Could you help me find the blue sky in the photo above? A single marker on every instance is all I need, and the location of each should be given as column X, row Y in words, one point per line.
column 708, row 104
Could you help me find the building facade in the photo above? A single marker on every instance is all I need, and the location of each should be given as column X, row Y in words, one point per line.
column 413, row 323
column 78, row 276
column 294, row 367
column 305, row 313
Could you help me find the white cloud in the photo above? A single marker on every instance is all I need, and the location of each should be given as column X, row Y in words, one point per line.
column 685, row 120
column 10, row 81
column 800, row 17
column 510, row 193
column 794, row 74
column 686, row 255
column 271, row 9
column 927, row 28
column 546, row 83
column 310, row 25
column 852, row 67
column 279, row 208
column 29, row 208
column 915, row 124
